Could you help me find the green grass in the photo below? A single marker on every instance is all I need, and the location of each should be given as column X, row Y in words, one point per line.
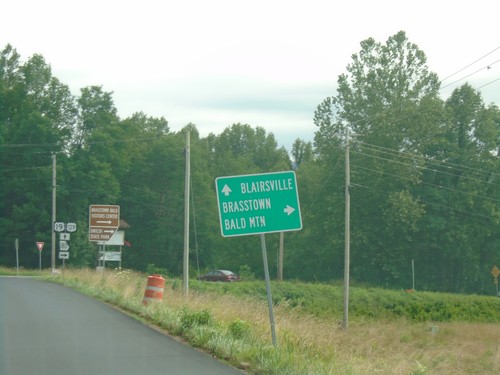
column 4, row 271
column 326, row 301
column 389, row 331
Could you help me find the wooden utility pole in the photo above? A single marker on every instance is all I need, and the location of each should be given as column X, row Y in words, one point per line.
column 345, row 321
column 53, row 237
column 185, row 273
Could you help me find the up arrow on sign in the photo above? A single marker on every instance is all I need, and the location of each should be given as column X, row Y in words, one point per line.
column 258, row 203
column 226, row 190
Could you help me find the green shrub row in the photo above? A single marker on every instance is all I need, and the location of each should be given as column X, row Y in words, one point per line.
column 326, row 301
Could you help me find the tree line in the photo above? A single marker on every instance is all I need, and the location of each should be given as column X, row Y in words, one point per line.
column 424, row 177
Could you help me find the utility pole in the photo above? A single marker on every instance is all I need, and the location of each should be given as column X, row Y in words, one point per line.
column 185, row 273
column 345, row 321
column 53, row 238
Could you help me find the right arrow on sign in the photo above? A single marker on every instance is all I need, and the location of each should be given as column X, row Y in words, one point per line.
column 289, row 210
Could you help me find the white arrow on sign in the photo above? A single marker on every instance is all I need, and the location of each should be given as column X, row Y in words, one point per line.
column 289, row 210
column 104, row 222
column 226, row 190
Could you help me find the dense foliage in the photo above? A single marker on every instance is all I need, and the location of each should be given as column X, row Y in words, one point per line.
column 424, row 177
column 326, row 301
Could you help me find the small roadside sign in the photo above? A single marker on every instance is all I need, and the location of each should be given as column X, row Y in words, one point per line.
column 71, row 227
column 111, row 256
column 495, row 271
column 258, row 203
column 63, row 255
column 59, row 227
column 104, row 220
column 63, row 246
column 39, row 245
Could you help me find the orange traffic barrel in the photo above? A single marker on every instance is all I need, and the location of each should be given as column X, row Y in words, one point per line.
column 154, row 289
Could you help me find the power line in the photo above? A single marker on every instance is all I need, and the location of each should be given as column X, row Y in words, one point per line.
column 424, row 168
column 486, row 84
column 471, row 74
column 429, row 160
column 25, row 169
column 433, row 185
column 467, row 213
column 456, row 173
column 461, row 70
column 31, row 145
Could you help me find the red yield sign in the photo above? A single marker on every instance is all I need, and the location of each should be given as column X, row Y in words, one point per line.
column 104, row 220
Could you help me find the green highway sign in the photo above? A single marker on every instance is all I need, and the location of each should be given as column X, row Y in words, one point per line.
column 258, row 203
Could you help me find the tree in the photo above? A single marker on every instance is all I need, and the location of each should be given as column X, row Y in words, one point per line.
column 460, row 188
column 301, row 152
column 35, row 120
column 241, row 149
column 389, row 100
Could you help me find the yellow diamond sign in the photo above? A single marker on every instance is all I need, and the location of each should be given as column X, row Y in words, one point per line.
column 495, row 272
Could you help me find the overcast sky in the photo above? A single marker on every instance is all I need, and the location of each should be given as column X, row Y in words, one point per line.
column 264, row 63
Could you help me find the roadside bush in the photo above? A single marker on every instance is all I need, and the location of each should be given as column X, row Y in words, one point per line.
column 239, row 329
column 152, row 269
column 190, row 319
column 326, row 301
column 246, row 273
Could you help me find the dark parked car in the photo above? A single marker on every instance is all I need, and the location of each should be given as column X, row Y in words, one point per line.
column 219, row 275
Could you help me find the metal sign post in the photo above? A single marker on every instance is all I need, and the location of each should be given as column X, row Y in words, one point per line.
column 39, row 246
column 268, row 288
column 258, row 204
column 16, row 243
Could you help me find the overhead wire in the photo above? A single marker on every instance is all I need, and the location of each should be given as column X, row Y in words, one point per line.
column 428, row 159
column 469, row 213
column 424, row 168
column 449, row 165
column 469, row 65
column 434, row 185
column 486, row 84
column 469, row 75
column 369, row 118
column 31, row 145
column 455, row 167
column 466, row 213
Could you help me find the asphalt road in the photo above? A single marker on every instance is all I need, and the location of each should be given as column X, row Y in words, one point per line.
column 48, row 329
